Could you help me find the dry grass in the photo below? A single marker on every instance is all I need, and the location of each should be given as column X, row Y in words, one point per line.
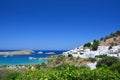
column 110, row 41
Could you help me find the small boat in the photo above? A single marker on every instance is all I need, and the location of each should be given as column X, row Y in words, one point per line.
column 32, row 58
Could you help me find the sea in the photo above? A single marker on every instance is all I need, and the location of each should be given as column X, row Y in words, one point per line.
column 13, row 60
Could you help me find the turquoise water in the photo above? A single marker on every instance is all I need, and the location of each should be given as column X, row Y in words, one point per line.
column 24, row 59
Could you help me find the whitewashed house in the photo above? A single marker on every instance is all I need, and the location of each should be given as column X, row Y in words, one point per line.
column 103, row 50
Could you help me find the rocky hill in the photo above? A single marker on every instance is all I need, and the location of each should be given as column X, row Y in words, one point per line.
column 111, row 40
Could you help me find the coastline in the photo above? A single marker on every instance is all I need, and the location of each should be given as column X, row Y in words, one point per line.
column 26, row 59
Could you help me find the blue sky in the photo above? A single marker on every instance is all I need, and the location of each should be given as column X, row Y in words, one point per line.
column 56, row 24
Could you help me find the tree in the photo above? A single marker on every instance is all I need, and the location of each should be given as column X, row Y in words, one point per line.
column 70, row 55
column 101, row 39
column 87, row 45
column 95, row 45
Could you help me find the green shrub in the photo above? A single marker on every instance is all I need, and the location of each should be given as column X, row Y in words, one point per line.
column 65, row 66
column 70, row 55
column 70, row 73
column 87, row 45
column 107, row 61
column 13, row 75
column 92, row 59
column 82, row 66
column 81, row 53
column 101, row 56
column 43, row 65
column 115, row 67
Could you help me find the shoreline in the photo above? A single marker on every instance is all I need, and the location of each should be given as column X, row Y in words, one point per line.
column 29, row 59
column 25, row 64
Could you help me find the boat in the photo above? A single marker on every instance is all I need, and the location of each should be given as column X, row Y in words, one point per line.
column 32, row 58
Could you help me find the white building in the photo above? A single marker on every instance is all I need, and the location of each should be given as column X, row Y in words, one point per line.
column 87, row 53
column 103, row 50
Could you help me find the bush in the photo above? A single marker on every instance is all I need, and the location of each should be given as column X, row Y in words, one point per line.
column 103, row 74
column 92, row 59
column 81, row 53
column 65, row 66
column 87, row 45
column 70, row 55
column 107, row 61
column 13, row 75
column 115, row 67
column 82, row 66
column 70, row 73
column 43, row 65
column 37, row 66
column 101, row 56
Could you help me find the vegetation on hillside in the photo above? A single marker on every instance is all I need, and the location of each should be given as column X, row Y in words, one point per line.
column 111, row 40
column 88, row 45
column 107, row 69
column 108, row 61
column 69, row 72
column 116, row 34
column 93, row 46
